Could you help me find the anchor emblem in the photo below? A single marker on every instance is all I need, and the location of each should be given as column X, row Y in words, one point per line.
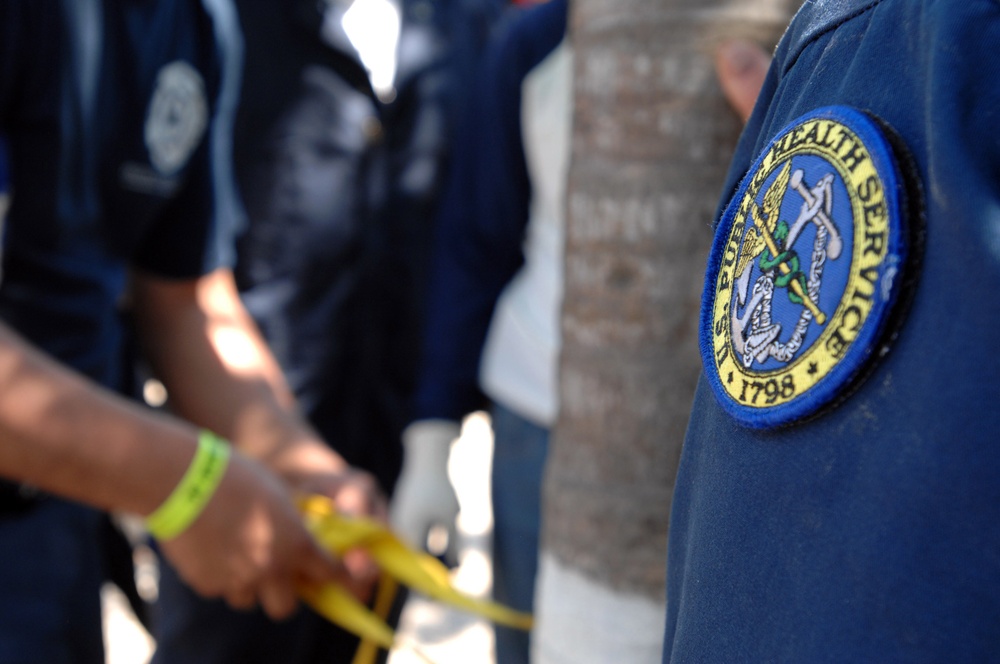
column 805, row 269
column 770, row 244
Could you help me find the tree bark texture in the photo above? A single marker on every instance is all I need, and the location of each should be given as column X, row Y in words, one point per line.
column 652, row 140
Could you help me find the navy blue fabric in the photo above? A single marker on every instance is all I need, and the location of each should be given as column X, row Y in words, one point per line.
column 518, row 464
column 76, row 224
column 50, row 586
column 483, row 216
column 869, row 533
column 89, row 204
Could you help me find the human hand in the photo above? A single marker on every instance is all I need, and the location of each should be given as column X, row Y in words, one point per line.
column 250, row 546
column 424, row 495
column 741, row 67
column 352, row 490
column 310, row 467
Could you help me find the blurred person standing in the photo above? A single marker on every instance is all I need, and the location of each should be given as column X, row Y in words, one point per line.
column 493, row 313
column 107, row 109
column 343, row 129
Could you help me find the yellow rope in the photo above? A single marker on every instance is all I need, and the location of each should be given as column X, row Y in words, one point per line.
column 399, row 563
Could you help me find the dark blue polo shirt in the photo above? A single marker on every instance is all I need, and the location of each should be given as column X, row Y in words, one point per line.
column 106, row 107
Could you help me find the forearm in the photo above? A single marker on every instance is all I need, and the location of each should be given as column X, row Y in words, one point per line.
column 68, row 436
column 220, row 374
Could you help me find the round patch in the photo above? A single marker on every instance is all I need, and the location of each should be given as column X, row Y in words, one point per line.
column 177, row 118
column 805, row 270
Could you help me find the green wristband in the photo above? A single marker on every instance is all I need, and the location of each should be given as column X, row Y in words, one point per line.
column 195, row 489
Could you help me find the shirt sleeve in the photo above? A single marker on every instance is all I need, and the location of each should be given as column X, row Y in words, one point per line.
column 484, row 215
column 195, row 233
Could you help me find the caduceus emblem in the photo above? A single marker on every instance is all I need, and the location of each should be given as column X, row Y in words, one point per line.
column 770, row 245
column 803, row 277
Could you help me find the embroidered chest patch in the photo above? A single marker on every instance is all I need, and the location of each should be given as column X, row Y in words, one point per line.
column 805, row 271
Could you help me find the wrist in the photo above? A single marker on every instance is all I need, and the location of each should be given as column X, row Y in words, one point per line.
column 305, row 458
column 194, row 491
column 427, row 443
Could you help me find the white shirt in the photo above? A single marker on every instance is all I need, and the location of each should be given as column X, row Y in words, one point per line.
column 519, row 366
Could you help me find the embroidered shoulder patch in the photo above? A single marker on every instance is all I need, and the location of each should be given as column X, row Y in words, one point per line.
column 805, row 270
column 177, row 117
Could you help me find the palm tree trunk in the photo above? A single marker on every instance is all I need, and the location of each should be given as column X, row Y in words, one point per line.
column 652, row 139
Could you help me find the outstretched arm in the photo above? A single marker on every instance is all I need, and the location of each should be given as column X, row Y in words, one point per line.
column 62, row 433
column 221, row 375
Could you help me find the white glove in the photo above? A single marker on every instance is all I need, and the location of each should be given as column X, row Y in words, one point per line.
column 424, row 496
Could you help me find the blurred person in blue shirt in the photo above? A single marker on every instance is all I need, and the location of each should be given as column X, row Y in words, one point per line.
column 492, row 331
column 344, row 127
column 108, row 110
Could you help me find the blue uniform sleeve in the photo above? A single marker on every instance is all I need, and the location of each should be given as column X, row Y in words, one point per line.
column 916, row 429
column 195, row 233
column 484, row 214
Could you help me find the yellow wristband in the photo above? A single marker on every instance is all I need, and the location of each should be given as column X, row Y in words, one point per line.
column 193, row 492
